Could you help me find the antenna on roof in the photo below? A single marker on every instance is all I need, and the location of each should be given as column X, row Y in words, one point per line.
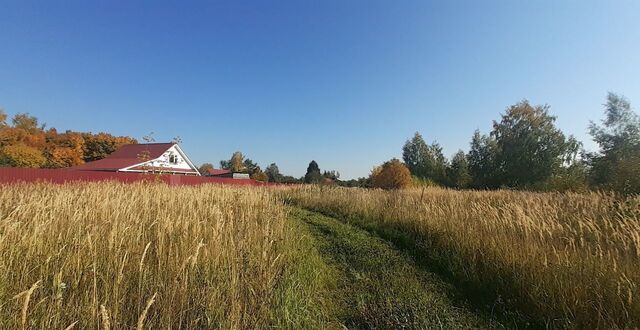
column 149, row 138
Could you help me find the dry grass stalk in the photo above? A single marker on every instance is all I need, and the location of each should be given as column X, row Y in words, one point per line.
column 106, row 323
column 25, row 304
column 143, row 316
column 71, row 326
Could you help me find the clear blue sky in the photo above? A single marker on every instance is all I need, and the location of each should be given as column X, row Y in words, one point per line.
column 341, row 82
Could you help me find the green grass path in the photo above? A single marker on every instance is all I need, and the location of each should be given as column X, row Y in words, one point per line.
column 378, row 286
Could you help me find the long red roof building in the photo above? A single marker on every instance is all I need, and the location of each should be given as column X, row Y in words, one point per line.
column 148, row 157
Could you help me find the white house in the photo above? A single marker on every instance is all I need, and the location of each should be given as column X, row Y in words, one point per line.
column 149, row 157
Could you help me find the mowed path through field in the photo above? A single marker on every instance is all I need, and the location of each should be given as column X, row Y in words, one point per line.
column 378, row 286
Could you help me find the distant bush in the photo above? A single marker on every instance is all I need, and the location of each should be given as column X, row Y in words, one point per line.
column 391, row 175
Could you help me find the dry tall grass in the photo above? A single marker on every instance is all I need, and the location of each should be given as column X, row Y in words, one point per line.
column 114, row 256
column 566, row 260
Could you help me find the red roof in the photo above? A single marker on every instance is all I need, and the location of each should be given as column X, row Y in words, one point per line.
column 216, row 171
column 128, row 155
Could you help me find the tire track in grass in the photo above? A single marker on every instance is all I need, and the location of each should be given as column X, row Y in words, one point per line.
column 379, row 286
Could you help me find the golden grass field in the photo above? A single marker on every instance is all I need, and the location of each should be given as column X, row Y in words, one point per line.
column 561, row 259
column 143, row 256
column 140, row 256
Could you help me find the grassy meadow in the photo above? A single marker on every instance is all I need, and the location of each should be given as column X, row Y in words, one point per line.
column 557, row 260
column 123, row 256
column 117, row 256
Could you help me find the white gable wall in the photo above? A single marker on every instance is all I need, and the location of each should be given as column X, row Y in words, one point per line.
column 164, row 161
column 173, row 158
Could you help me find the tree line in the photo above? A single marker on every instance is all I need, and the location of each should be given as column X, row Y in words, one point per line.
column 24, row 142
column 238, row 163
column 525, row 150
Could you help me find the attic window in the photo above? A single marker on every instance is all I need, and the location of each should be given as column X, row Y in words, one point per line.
column 173, row 159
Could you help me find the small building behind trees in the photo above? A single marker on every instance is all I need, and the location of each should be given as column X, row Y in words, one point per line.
column 223, row 173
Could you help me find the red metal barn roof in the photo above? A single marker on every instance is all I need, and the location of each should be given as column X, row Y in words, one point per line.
column 128, row 155
column 217, row 171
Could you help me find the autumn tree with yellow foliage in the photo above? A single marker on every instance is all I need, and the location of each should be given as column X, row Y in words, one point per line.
column 21, row 155
column 392, row 174
column 26, row 143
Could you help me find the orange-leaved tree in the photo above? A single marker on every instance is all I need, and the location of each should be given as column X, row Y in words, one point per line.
column 29, row 141
column 64, row 157
column 64, row 150
column 392, row 174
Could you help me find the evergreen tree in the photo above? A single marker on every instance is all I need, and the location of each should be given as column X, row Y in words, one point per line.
column 313, row 174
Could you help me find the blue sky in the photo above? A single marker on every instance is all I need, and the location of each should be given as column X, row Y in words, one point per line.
column 341, row 82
